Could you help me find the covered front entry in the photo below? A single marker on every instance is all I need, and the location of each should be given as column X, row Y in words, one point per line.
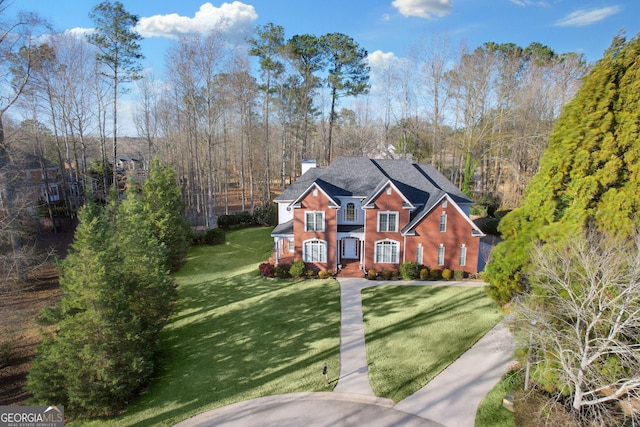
column 350, row 249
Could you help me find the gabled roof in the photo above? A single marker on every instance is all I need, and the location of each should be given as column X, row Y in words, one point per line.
column 435, row 201
column 420, row 185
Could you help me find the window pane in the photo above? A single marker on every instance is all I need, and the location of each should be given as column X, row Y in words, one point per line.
column 387, row 252
column 315, row 251
column 463, row 255
column 350, row 214
column 383, row 222
column 392, row 222
column 441, row 255
column 443, row 222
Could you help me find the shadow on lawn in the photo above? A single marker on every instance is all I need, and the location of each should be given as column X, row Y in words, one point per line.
column 436, row 324
column 244, row 337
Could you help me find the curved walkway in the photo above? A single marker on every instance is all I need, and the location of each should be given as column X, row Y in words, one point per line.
column 450, row 399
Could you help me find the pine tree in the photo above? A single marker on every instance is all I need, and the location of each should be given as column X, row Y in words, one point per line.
column 149, row 288
column 165, row 207
column 117, row 297
column 589, row 174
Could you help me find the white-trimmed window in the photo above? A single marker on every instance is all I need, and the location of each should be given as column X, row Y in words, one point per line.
column 387, row 221
column 443, row 222
column 314, row 251
column 441, row 254
column 350, row 212
column 387, row 251
column 462, row 259
column 291, row 244
column 314, row 221
column 419, row 251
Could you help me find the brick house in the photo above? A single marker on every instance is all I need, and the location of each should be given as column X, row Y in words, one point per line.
column 375, row 214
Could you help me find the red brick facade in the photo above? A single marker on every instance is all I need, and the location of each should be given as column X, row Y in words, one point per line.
column 412, row 213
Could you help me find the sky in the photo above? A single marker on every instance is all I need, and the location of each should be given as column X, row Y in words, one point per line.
column 387, row 29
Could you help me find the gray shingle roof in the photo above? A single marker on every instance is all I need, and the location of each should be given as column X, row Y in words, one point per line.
column 422, row 185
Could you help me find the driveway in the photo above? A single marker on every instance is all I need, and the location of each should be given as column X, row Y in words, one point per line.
column 450, row 399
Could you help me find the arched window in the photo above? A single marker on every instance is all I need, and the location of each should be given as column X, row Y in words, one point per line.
column 387, row 251
column 314, row 251
column 350, row 212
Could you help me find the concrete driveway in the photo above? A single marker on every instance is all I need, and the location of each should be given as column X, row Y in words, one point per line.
column 450, row 399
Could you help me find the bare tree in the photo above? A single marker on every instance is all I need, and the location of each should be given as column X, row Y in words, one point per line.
column 17, row 40
column 581, row 324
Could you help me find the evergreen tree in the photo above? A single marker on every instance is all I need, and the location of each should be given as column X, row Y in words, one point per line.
column 165, row 207
column 119, row 51
column 149, row 289
column 348, row 74
column 100, row 351
column 589, row 173
column 118, row 295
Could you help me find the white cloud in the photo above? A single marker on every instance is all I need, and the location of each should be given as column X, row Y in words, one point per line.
column 583, row 17
column 234, row 19
column 381, row 64
column 79, row 32
column 525, row 3
column 423, row 8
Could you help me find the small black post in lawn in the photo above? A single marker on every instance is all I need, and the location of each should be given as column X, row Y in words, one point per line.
column 325, row 372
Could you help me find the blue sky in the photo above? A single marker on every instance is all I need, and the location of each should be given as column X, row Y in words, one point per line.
column 387, row 29
column 380, row 26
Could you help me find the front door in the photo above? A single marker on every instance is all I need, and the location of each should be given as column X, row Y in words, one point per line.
column 350, row 248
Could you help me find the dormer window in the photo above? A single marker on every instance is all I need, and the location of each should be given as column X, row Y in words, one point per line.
column 350, row 212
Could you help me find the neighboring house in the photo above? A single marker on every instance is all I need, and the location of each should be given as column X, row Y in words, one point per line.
column 36, row 178
column 378, row 214
column 128, row 162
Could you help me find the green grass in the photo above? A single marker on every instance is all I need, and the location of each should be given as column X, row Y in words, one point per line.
column 490, row 411
column 236, row 336
column 414, row 332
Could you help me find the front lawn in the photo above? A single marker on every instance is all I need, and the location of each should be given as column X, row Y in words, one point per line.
column 414, row 332
column 235, row 335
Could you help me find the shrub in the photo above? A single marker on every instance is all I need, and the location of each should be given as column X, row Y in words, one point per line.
column 446, row 274
column 329, row 273
column 387, row 274
column 409, row 270
column 458, row 275
column 265, row 215
column 311, row 273
column 215, row 236
column 322, row 274
column 266, row 269
column 297, row 269
column 282, row 271
column 435, row 274
column 372, row 274
column 424, row 274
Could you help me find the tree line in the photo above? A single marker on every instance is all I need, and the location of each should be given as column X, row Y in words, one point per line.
column 236, row 131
